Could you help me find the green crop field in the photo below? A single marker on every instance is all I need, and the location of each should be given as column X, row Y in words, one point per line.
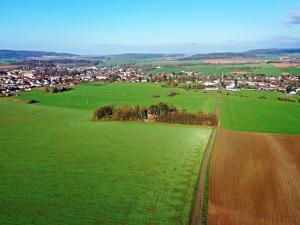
column 60, row 167
column 6, row 61
column 245, row 111
column 217, row 70
column 91, row 96
column 147, row 61
column 3, row 62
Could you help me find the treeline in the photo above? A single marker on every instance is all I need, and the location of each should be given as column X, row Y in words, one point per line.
column 57, row 89
column 286, row 99
column 177, row 78
column 160, row 112
column 189, row 86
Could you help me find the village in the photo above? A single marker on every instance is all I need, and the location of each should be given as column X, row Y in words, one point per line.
column 13, row 81
column 26, row 78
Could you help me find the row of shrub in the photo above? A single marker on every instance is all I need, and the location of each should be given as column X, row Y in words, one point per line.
column 32, row 101
column 57, row 89
column 285, row 99
column 155, row 96
column 170, row 94
column 160, row 112
column 192, row 86
column 182, row 117
column 173, row 93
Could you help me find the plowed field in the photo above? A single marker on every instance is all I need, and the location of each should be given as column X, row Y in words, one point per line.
column 255, row 179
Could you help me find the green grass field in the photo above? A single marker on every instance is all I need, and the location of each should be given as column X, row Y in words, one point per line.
column 218, row 70
column 247, row 113
column 148, row 61
column 260, row 115
column 58, row 167
column 3, row 62
column 91, row 96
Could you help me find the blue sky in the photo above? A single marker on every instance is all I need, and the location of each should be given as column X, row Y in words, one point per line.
column 117, row 26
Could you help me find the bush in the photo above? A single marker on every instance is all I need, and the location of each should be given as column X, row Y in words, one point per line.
column 286, row 99
column 169, row 85
column 193, row 87
column 188, row 118
column 155, row 96
column 160, row 108
column 262, row 97
column 57, row 89
column 104, row 112
column 32, row 101
column 160, row 112
column 130, row 113
column 173, row 93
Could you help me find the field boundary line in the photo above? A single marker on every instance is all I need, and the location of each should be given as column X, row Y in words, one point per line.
column 196, row 218
column 197, row 213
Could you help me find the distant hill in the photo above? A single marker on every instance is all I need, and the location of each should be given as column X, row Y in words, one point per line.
column 11, row 54
column 246, row 54
column 144, row 56
column 224, row 55
column 273, row 51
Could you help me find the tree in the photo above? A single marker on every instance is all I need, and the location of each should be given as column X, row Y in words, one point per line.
column 104, row 111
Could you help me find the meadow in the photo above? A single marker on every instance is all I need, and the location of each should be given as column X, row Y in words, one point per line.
column 148, row 61
column 91, row 96
column 246, row 111
column 60, row 167
column 3, row 62
column 218, row 70
column 242, row 110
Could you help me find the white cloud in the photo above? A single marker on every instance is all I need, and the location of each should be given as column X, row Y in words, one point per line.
column 293, row 18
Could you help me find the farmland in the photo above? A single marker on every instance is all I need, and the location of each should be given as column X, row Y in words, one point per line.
column 65, row 168
column 245, row 111
column 218, row 70
column 150, row 112
column 60, row 167
column 91, row 96
column 254, row 179
column 152, row 61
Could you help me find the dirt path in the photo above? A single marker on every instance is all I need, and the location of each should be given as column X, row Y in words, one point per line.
column 197, row 211
column 255, row 179
column 196, row 218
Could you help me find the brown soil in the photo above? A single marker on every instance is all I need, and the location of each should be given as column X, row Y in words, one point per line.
column 286, row 65
column 10, row 99
column 232, row 61
column 255, row 179
column 10, row 67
